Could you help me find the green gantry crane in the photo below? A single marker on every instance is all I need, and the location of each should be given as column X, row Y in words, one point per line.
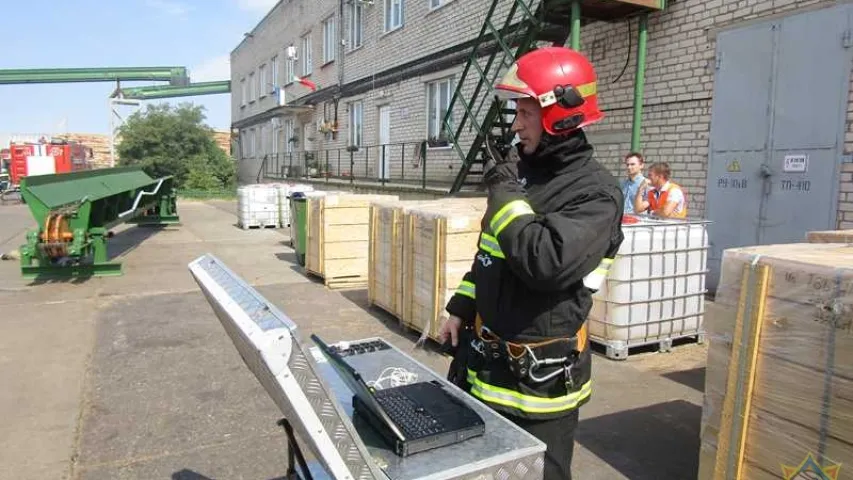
column 527, row 22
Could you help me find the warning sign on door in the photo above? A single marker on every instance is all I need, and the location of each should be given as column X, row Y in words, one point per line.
column 733, row 166
column 796, row 164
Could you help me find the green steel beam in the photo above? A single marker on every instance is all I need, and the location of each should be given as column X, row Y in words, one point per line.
column 174, row 75
column 576, row 25
column 639, row 82
column 201, row 88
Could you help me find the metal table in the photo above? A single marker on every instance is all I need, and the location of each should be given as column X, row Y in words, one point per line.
column 505, row 451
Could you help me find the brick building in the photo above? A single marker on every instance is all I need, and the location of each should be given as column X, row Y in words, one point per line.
column 756, row 125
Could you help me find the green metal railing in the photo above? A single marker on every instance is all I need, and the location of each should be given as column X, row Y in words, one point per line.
column 407, row 164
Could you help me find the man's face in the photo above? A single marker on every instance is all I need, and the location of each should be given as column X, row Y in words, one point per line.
column 656, row 179
column 633, row 166
column 528, row 124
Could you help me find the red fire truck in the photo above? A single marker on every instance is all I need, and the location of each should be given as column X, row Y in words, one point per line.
column 56, row 156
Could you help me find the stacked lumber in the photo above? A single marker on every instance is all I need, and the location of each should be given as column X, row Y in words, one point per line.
column 830, row 236
column 439, row 244
column 779, row 378
column 387, row 239
column 337, row 247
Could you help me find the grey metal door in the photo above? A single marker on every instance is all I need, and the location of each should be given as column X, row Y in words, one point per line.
column 777, row 129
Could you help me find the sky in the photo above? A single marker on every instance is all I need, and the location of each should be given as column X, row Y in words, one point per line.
column 196, row 34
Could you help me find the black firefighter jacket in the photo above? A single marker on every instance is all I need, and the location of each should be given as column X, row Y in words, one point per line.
column 541, row 237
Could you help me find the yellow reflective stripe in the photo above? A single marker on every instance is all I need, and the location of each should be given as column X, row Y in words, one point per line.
column 466, row 288
column 587, row 89
column 595, row 279
column 507, row 214
column 490, row 245
column 526, row 403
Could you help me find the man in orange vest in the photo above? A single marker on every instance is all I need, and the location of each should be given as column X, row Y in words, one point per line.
column 660, row 196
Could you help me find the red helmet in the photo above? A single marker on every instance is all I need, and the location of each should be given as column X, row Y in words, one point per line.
column 564, row 83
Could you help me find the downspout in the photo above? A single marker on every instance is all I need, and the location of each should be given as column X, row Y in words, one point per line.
column 340, row 61
column 576, row 25
column 639, row 82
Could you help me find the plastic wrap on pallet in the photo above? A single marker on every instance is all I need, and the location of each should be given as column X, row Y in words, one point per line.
column 779, row 378
column 655, row 290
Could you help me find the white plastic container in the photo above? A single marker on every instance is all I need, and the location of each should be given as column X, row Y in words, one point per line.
column 284, row 192
column 257, row 206
column 655, row 291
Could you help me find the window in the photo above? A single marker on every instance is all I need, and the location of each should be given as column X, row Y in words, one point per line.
column 356, row 25
column 329, row 40
column 438, row 99
column 436, row 3
column 393, row 14
column 274, row 74
column 244, row 93
column 289, row 70
column 307, row 61
column 356, row 123
column 253, row 94
column 262, row 80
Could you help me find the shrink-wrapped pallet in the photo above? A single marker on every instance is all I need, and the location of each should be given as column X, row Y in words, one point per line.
column 779, row 379
column 439, row 247
column 387, row 219
column 830, row 236
column 337, row 249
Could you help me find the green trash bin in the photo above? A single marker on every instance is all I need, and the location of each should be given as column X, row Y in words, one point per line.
column 298, row 225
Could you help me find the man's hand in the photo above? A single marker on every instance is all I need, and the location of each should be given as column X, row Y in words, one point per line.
column 450, row 327
column 501, row 166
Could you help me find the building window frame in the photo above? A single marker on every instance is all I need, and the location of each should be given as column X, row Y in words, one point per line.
column 355, row 36
column 394, row 14
column 330, row 38
column 356, row 123
column 307, row 57
column 438, row 95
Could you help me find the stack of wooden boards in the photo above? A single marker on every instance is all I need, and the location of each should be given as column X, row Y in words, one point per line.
column 338, row 237
column 779, row 379
column 419, row 252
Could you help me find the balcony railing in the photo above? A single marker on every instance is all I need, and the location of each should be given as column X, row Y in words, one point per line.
column 411, row 163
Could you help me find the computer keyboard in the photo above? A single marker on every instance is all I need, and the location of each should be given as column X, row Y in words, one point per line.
column 415, row 421
column 356, row 348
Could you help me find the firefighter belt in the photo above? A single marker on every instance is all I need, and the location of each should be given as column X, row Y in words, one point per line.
column 530, row 361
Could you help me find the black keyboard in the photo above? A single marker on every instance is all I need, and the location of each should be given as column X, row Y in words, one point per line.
column 361, row 347
column 415, row 421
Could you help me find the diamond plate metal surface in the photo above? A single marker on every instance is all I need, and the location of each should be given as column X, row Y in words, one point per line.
column 329, row 415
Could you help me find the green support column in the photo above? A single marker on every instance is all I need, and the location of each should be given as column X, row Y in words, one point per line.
column 576, row 25
column 639, row 82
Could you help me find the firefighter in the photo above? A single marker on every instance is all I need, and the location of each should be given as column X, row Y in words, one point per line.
column 517, row 322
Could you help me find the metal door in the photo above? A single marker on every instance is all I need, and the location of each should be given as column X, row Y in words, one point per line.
column 385, row 142
column 739, row 136
column 777, row 130
column 809, row 109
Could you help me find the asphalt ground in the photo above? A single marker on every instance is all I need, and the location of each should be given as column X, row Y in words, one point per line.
column 133, row 376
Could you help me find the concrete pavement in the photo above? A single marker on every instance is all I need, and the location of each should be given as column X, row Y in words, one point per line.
column 133, row 377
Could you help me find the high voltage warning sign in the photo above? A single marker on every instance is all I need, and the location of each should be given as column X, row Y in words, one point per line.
column 733, row 166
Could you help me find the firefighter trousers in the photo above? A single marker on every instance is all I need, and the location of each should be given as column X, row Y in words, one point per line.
column 559, row 436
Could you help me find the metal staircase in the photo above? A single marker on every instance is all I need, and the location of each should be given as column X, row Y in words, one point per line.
column 500, row 42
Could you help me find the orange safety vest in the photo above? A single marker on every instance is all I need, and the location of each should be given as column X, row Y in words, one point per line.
column 657, row 202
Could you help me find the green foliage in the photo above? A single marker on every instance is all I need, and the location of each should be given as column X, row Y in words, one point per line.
column 176, row 141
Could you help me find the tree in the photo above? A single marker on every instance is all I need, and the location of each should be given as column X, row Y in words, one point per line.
column 176, row 141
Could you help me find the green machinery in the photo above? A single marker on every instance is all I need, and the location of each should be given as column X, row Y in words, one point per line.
column 74, row 212
column 504, row 39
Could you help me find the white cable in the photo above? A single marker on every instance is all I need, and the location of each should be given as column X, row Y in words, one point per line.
column 395, row 375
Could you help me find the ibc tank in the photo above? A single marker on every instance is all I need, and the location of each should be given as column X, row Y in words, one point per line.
column 257, row 206
column 655, row 291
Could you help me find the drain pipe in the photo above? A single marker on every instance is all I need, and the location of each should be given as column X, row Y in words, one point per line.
column 639, row 82
column 576, row 25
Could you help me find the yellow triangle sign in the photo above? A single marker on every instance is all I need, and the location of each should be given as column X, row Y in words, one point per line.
column 733, row 166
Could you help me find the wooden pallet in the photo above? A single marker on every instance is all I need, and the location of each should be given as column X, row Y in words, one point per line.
column 779, row 379
column 337, row 247
column 439, row 245
column 830, row 236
